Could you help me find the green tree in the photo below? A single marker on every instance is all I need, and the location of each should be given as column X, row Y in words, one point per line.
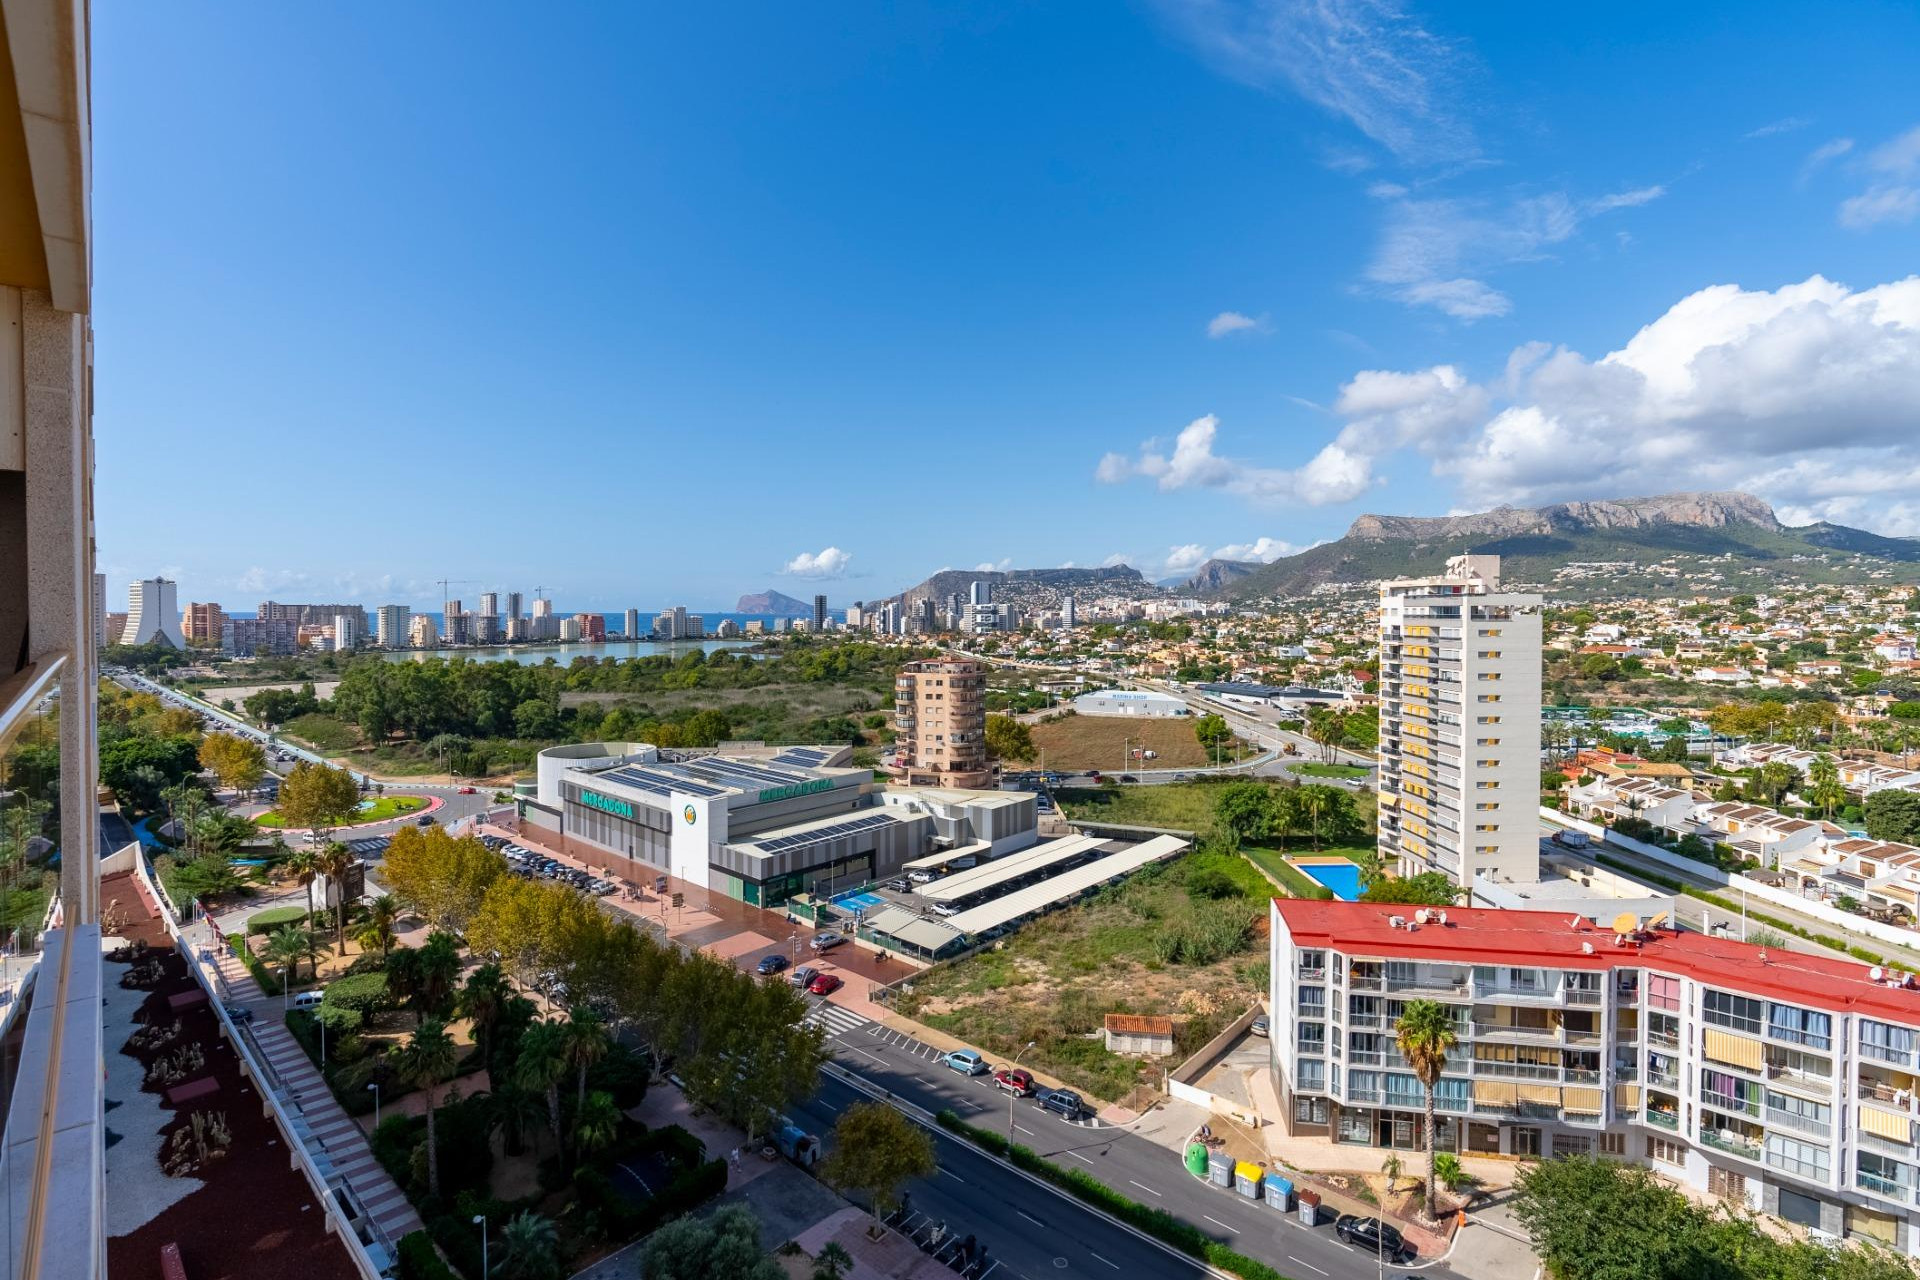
column 383, row 918
column 426, row 1061
column 587, row 1041
column 1212, row 731
column 1326, row 809
column 832, row 1262
column 1824, row 791
column 1009, row 739
column 596, row 1123
column 239, row 763
column 541, row 1065
column 1245, row 809
column 1424, row 1033
column 877, row 1151
column 1894, row 815
column 303, row 865
column 1772, row 780
column 482, row 1000
column 1428, row 889
column 318, row 797
column 724, row 1245
column 334, row 861
column 530, row 1248
column 286, row 948
column 439, row 971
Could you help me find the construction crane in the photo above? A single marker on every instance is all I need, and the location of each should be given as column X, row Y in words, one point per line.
column 446, row 597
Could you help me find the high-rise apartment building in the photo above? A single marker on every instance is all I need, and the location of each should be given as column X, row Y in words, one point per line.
column 570, row 627
column 593, row 627
column 153, row 613
column 421, row 633
column 543, row 608
column 819, row 614
column 677, row 624
column 856, row 616
column 1460, row 725
column 490, row 603
column 453, row 607
column 347, row 632
column 513, row 604
column 204, row 624
column 940, row 712
column 100, row 611
column 1069, row 613
column 312, row 615
column 630, row 624
column 50, row 606
column 980, row 592
column 1783, row 1082
column 391, row 623
column 260, row 637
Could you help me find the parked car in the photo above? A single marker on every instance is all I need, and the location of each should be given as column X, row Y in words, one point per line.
column 1015, row 1080
column 771, row 964
column 309, row 999
column 1062, row 1102
column 824, row 984
column 803, row 975
column 1370, row 1235
column 1259, row 1026
column 1572, row 839
column 239, row 1013
column 966, row 1062
column 921, row 877
column 1127, row 777
column 826, row 941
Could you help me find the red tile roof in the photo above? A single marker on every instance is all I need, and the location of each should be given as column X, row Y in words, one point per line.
column 1476, row 935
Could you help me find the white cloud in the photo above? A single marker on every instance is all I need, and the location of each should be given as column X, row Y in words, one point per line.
column 1824, row 154
column 1115, row 560
column 1386, row 191
column 830, row 563
column 1187, row 558
column 1893, row 185
column 1808, row 395
column 1229, row 322
column 1433, row 253
column 1260, row 549
column 1332, row 475
column 1369, row 61
column 1787, row 125
column 988, row 566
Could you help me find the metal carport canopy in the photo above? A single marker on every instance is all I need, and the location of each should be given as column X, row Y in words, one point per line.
column 963, row 884
column 1065, row 887
column 897, row 922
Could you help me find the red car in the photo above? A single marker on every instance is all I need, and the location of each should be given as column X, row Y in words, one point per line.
column 467, row 791
column 824, row 984
column 1015, row 1080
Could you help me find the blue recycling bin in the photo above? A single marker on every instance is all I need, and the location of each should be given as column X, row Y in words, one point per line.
column 1280, row 1192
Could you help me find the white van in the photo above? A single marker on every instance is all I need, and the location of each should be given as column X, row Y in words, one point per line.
column 309, row 999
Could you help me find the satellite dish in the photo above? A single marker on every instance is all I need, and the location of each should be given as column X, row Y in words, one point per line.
column 1586, row 948
column 1421, row 916
column 1657, row 921
column 1877, row 973
column 1626, row 922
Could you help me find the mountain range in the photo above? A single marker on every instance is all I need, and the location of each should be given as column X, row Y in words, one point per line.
column 1734, row 535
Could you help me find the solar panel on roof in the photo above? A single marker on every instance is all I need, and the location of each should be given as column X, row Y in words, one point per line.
column 821, row 835
column 661, row 783
column 804, row 756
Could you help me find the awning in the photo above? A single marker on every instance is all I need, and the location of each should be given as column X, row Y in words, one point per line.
column 1493, row 1093
column 1885, row 1124
column 1548, row 1094
column 1724, row 1046
column 1589, row 1101
column 1626, row 1097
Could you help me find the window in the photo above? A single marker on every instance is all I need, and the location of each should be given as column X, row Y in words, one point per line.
column 1486, row 848
column 1796, row 1207
column 1311, row 1038
column 1310, row 1110
column 1740, row 1013
column 1666, row 1151
column 1526, row 1141
column 1726, row 1184
column 1486, row 826
column 1571, row 1144
column 1663, row 992
column 1489, row 653
column 1313, row 1002
column 1885, row 1041
column 1488, row 764
column 1488, row 742
column 1489, row 720
column 1489, row 631
column 1802, row 1026
column 1798, row 1113
column 1489, row 675
column 1486, row 784
column 1613, row 1144
column 1489, row 697
column 1486, row 806
column 1310, row 1074
column 1801, row 1159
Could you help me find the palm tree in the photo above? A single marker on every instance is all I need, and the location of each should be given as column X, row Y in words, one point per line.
column 516, row 1109
column 481, row 1000
column 403, row 980
column 542, row 1061
column 303, row 864
column 439, row 970
column 285, row 947
column 1316, row 801
column 383, row 913
column 832, row 1262
column 596, row 1123
column 1423, row 1034
column 530, row 1248
column 427, row 1060
column 333, row 862
column 587, row 1041
column 1825, row 790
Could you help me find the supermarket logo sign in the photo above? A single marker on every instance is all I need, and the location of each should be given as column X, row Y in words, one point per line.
column 771, row 794
column 606, row 804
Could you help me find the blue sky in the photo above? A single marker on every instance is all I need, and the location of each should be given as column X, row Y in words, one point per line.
column 652, row 304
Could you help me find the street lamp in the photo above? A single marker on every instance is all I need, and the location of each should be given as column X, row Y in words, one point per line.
column 480, row 1221
column 375, row 1086
column 1016, row 1063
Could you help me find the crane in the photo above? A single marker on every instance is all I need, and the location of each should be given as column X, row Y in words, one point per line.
column 445, row 598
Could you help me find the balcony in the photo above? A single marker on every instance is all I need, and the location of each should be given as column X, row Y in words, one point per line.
column 1581, row 995
column 1433, row 984
column 1731, row 1142
column 1891, row 1188
column 1663, row 1119
column 1777, row 1119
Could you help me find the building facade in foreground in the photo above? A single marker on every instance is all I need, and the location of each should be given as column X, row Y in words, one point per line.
column 1785, row 1083
column 940, row 712
column 1460, row 725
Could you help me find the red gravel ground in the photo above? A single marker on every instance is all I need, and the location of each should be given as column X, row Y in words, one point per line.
column 256, row 1218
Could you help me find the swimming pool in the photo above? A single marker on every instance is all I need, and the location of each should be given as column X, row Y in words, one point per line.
column 1342, row 877
column 851, row 902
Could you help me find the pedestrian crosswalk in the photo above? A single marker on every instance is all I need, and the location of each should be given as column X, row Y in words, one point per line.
column 836, row 1020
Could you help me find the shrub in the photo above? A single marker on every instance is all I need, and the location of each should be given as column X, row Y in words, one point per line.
column 418, row 1261
column 361, row 992
column 269, row 980
column 624, row 1073
column 274, row 918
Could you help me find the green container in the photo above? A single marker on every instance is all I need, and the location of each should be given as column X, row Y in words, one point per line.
column 1197, row 1159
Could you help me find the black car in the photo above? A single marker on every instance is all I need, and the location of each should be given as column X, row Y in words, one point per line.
column 770, row 964
column 1370, row 1235
column 1062, row 1102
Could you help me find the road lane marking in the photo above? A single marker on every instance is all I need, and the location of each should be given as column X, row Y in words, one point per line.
column 1308, row 1265
column 1144, row 1187
column 951, row 1174
column 877, row 1058
column 1223, row 1226
column 1116, row 1266
column 1077, row 1156
column 989, row 1270
column 1023, row 1129
column 1030, row 1218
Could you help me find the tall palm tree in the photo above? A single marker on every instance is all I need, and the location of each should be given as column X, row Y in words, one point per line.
column 516, row 1110
column 530, row 1248
column 481, row 999
column 832, row 1262
column 403, row 980
column 596, row 1123
column 303, row 864
column 285, row 948
column 425, row 1062
column 334, row 861
column 1423, row 1034
column 542, row 1062
column 439, row 970
column 587, row 1042
column 383, row 914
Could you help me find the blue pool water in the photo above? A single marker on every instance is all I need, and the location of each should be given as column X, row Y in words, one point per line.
column 1341, row 877
column 858, row 901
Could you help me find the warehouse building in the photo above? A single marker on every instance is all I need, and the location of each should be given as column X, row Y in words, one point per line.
column 1129, row 702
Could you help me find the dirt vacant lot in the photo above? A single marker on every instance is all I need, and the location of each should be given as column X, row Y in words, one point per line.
column 1102, row 742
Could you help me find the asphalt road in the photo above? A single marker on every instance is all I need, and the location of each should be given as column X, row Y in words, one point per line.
column 1132, row 1165
column 1029, row 1232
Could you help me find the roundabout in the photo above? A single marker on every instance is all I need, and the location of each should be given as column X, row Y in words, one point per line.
column 373, row 810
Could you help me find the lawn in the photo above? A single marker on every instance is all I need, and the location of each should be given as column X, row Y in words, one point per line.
column 378, row 810
column 1274, row 863
column 1177, row 806
column 1186, row 939
column 328, row 735
column 1319, row 769
column 1102, row 742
